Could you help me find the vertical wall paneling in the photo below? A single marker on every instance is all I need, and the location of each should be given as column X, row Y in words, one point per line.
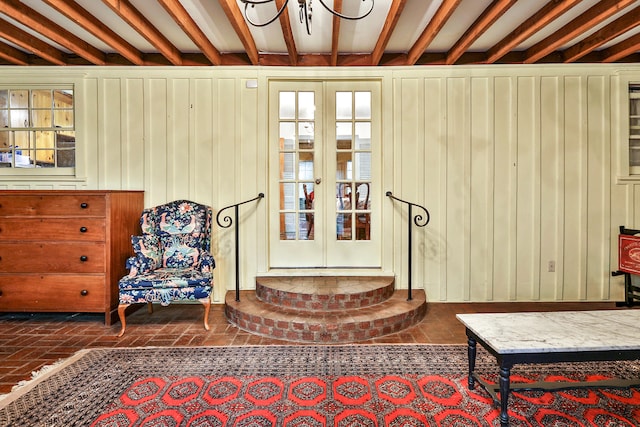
column 575, row 169
column 248, row 183
column 408, row 173
column 156, row 149
column 598, row 196
column 519, row 167
column 505, row 188
column 178, row 142
column 528, row 190
column 132, row 118
column 457, row 187
column 228, row 177
column 434, row 101
column 551, row 186
column 110, row 137
column 481, row 190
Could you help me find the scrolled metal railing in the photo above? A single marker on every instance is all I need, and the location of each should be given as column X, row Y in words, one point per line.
column 419, row 221
column 228, row 222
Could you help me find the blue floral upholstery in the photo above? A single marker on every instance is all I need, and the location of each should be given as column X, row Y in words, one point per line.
column 172, row 259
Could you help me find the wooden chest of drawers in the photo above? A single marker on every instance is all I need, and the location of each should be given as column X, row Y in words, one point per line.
column 64, row 251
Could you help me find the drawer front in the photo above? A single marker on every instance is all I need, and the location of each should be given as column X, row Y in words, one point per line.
column 53, row 205
column 54, row 292
column 52, row 257
column 62, row 229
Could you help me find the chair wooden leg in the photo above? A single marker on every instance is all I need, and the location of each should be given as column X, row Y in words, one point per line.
column 150, row 308
column 207, row 306
column 121, row 310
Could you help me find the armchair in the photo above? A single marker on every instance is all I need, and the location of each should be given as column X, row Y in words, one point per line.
column 172, row 259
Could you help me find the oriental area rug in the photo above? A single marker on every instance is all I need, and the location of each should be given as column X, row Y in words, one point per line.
column 307, row 386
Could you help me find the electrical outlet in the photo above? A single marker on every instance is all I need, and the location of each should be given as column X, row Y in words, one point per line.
column 552, row 266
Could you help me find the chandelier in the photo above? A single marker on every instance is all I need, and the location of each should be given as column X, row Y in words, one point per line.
column 304, row 13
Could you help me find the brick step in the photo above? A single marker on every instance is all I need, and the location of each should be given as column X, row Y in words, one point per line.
column 324, row 293
column 351, row 325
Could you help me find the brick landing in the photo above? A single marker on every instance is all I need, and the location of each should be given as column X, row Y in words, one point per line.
column 325, row 309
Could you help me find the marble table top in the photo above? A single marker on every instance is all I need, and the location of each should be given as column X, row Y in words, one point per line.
column 558, row 331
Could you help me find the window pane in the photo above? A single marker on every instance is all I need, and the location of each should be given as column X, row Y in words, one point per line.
column 343, row 165
column 19, row 118
column 306, row 106
column 66, row 146
column 62, row 98
column 363, row 105
column 343, row 196
column 287, row 196
column 41, row 118
column 19, row 99
column 305, row 225
column 41, row 99
column 363, row 166
column 305, row 166
column 4, row 98
column 343, row 226
column 287, row 105
column 4, row 118
column 63, row 118
column 287, row 135
column 306, row 135
column 343, row 135
column 363, row 136
column 287, row 165
column 287, row 226
column 363, row 198
column 344, row 107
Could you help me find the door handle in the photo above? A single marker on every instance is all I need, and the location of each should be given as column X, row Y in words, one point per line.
column 318, row 180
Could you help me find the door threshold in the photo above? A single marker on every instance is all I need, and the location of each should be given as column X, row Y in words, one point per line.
column 326, row 272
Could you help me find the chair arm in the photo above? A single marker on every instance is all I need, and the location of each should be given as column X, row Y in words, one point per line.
column 138, row 265
column 207, row 262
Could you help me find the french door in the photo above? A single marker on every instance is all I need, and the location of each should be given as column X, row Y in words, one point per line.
column 324, row 171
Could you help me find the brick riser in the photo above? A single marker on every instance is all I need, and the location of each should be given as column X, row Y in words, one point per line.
column 331, row 294
column 328, row 327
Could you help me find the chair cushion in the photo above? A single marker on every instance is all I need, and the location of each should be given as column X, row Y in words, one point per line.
column 148, row 251
column 165, row 285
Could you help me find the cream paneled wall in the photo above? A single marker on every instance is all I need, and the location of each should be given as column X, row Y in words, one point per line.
column 519, row 167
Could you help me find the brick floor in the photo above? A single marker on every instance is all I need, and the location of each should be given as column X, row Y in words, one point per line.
column 30, row 341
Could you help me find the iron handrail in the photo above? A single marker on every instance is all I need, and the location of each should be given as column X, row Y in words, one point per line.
column 228, row 221
column 419, row 221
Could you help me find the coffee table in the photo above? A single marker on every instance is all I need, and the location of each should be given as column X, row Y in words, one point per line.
column 551, row 337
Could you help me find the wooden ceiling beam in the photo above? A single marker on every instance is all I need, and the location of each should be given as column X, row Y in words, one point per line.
column 335, row 32
column 13, row 55
column 605, row 34
column 285, row 24
column 180, row 15
column 234, row 14
column 387, row 29
column 31, row 44
column 490, row 15
column 592, row 17
column 54, row 32
column 547, row 14
column 82, row 17
column 442, row 15
column 621, row 50
column 132, row 16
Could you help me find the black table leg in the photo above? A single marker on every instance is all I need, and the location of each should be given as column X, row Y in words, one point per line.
column 505, row 378
column 472, row 361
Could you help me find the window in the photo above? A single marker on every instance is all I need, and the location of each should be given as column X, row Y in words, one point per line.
column 37, row 128
column 634, row 125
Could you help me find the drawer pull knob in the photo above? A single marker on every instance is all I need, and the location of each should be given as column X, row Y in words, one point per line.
column 83, row 229
column 84, row 292
column 84, row 205
column 83, row 258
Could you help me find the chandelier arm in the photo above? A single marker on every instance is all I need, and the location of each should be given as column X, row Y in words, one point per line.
column 255, row 2
column 303, row 7
column 352, row 18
